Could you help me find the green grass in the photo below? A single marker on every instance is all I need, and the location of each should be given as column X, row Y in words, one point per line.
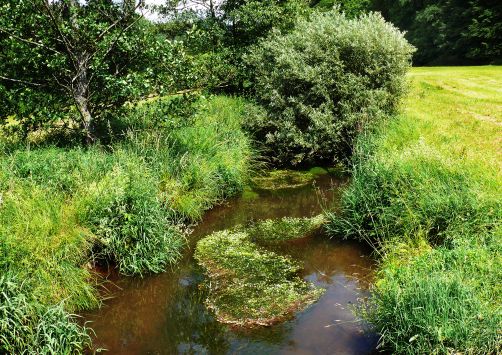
column 61, row 209
column 427, row 193
column 249, row 285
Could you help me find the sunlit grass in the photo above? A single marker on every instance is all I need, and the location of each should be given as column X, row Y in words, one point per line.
column 64, row 208
column 427, row 193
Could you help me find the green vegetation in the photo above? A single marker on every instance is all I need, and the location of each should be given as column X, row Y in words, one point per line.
column 121, row 203
column 112, row 138
column 250, row 285
column 286, row 179
column 286, row 228
column 323, row 82
column 426, row 191
column 448, row 32
column 35, row 328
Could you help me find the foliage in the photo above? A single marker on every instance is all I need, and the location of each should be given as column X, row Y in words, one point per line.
column 323, row 82
column 218, row 33
column 249, row 285
column 286, row 228
column 426, row 192
column 75, row 61
column 351, row 8
column 448, row 32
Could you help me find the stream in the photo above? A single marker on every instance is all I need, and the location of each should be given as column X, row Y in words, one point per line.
column 165, row 313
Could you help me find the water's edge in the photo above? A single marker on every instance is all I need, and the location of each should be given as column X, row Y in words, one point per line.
column 165, row 313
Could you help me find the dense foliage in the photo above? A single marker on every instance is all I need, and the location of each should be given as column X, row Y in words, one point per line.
column 323, row 82
column 71, row 64
column 448, row 31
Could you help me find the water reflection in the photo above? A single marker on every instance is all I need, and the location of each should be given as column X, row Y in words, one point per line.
column 165, row 314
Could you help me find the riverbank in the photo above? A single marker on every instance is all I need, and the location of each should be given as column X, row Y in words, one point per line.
column 126, row 203
column 426, row 192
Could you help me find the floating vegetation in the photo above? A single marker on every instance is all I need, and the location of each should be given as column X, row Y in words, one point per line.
column 287, row 228
column 287, row 179
column 248, row 285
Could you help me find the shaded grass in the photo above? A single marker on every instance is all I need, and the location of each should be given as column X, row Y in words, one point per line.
column 62, row 209
column 248, row 284
column 427, row 193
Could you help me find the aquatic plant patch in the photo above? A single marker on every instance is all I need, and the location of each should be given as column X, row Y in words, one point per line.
column 283, row 229
column 249, row 285
column 288, row 179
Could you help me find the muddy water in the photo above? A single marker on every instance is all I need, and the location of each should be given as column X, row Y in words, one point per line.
column 165, row 314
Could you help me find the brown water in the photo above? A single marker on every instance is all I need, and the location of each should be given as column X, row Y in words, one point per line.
column 165, row 313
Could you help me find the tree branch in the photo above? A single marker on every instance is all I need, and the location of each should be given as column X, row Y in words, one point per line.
column 21, row 81
column 29, row 41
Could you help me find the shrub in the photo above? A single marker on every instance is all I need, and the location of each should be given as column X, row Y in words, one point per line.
column 323, row 82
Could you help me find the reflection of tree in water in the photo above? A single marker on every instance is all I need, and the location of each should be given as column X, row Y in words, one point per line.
column 190, row 328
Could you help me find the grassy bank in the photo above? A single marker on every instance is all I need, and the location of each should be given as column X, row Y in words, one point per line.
column 427, row 193
column 62, row 209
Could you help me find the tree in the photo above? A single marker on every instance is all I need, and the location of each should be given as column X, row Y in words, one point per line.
column 64, row 57
column 449, row 31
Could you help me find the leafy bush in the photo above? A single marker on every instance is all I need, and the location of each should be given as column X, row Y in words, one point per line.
column 324, row 81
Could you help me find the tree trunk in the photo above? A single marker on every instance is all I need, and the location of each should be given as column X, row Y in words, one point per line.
column 80, row 94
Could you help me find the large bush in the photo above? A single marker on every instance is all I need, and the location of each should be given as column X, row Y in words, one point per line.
column 323, row 81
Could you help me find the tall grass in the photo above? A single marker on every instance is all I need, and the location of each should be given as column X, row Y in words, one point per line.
column 427, row 193
column 61, row 209
column 27, row 326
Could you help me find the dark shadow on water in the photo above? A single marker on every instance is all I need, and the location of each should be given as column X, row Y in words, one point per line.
column 165, row 313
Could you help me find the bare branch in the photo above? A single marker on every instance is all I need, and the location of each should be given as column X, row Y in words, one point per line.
column 21, row 81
